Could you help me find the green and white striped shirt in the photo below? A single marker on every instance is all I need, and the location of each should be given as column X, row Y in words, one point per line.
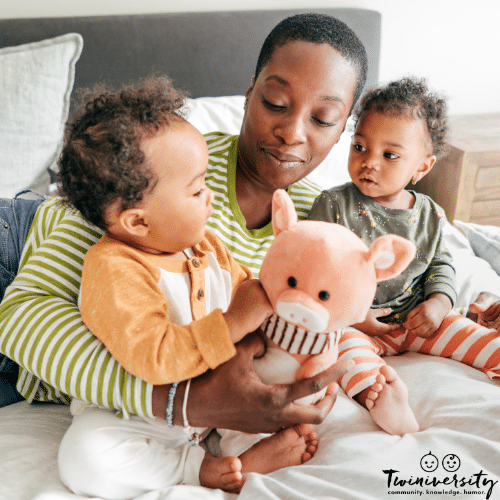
column 248, row 246
column 40, row 323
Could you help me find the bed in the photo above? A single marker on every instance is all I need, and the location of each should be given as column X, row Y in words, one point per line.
column 212, row 55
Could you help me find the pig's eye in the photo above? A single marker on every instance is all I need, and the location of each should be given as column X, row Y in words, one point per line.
column 292, row 282
column 324, row 295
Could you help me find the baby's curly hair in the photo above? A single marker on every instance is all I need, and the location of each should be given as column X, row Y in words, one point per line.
column 411, row 95
column 101, row 160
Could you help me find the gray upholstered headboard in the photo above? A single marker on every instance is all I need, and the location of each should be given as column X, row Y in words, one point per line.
column 208, row 54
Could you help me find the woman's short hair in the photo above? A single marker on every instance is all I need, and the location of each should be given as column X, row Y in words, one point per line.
column 318, row 28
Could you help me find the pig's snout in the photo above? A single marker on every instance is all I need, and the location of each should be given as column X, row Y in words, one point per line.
column 314, row 319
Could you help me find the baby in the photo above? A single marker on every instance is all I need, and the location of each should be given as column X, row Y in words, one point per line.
column 400, row 132
column 162, row 293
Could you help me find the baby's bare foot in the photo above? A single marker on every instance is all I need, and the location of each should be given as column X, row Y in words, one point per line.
column 290, row 446
column 388, row 404
column 223, row 473
column 311, row 438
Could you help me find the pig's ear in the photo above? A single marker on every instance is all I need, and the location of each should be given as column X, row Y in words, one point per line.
column 284, row 214
column 390, row 255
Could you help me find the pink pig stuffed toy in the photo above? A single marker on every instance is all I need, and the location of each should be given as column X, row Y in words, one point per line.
column 320, row 278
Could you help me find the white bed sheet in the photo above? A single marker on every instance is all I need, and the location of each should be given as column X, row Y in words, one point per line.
column 458, row 409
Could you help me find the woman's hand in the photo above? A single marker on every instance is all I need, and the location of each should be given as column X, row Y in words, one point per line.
column 485, row 311
column 372, row 326
column 233, row 397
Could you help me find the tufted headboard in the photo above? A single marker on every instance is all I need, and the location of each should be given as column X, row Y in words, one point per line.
column 208, row 54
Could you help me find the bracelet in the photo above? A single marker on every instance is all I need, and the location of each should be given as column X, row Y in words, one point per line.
column 194, row 438
column 170, row 405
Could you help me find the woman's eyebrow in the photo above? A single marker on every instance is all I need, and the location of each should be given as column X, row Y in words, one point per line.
column 332, row 98
column 279, row 79
column 286, row 83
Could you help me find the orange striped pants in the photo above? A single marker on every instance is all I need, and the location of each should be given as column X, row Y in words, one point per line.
column 457, row 338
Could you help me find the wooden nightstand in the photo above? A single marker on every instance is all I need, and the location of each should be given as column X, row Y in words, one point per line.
column 467, row 182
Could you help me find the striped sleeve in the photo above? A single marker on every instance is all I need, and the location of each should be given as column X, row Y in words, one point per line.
column 41, row 326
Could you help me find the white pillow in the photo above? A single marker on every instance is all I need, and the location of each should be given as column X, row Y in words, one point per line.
column 210, row 114
column 473, row 274
column 484, row 240
column 225, row 114
column 332, row 171
column 36, row 81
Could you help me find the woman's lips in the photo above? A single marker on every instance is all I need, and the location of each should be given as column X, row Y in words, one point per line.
column 280, row 157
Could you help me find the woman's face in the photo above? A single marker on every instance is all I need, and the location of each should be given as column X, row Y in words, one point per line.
column 296, row 110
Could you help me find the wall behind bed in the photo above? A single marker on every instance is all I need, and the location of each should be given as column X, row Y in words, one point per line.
column 452, row 45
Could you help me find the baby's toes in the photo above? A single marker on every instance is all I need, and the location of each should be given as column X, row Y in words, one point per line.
column 232, row 481
column 381, row 379
column 312, row 448
column 389, row 373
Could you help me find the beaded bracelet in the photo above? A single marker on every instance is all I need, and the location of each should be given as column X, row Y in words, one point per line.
column 170, row 405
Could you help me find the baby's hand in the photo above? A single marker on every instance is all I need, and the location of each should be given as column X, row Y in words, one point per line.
column 424, row 320
column 372, row 327
column 249, row 308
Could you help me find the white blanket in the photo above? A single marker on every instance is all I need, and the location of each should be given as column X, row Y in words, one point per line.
column 458, row 409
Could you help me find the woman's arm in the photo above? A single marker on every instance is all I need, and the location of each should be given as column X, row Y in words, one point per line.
column 41, row 329
column 41, row 326
column 233, row 397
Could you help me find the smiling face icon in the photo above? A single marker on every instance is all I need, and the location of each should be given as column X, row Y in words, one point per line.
column 451, row 463
column 429, row 462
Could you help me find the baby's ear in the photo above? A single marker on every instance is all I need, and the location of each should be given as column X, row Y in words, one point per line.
column 425, row 168
column 284, row 214
column 390, row 255
column 132, row 222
